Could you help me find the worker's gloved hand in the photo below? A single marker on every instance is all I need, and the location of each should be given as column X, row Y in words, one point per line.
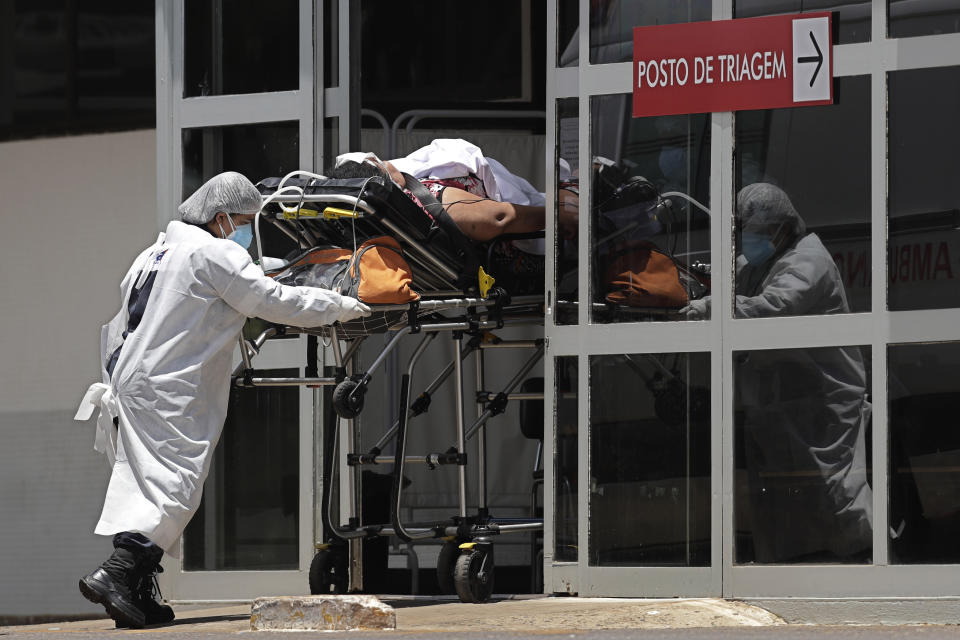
column 696, row 310
column 351, row 309
column 269, row 264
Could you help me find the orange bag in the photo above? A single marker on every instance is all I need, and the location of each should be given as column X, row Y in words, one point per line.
column 375, row 274
column 643, row 276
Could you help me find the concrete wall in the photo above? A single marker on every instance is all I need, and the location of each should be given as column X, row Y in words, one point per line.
column 75, row 212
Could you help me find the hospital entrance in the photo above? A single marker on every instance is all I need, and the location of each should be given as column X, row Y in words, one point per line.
column 738, row 380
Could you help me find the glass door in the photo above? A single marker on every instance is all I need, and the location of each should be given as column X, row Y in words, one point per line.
column 259, row 90
column 636, row 507
column 786, row 433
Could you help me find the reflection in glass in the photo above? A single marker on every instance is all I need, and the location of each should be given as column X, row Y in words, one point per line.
column 331, row 44
column 568, row 33
column 565, row 461
column 782, row 269
column 257, row 151
column 398, row 74
column 821, row 157
column 802, row 492
column 76, row 67
column 924, row 461
column 568, row 203
column 612, row 23
column 331, row 141
column 248, row 517
column 650, row 460
column 922, row 17
column 853, row 15
column 650, row 222
column 924, row 193
column 240, row 47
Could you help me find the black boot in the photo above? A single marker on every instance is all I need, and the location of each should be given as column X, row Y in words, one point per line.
column 113, row 585
column 148, row 596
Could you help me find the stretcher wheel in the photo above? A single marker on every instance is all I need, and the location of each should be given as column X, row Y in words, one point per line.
column 347, row 405
column 329, row 572
column 473, row 575
column 446, row 565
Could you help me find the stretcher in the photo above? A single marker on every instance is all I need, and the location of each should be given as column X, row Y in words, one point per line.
column 459, row 296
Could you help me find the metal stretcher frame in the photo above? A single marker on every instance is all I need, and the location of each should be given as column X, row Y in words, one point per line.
column 466, row 560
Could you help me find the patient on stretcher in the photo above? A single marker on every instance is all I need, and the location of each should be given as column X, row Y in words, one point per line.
column 478, row 193
column 479, row 217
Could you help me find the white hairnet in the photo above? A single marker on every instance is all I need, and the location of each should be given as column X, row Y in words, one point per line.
column 763, row 205
column 229, row 192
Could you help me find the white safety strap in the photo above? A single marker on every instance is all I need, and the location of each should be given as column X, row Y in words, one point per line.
column 91, row 400
column 100, row 395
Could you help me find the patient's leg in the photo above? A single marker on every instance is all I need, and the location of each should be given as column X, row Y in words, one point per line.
column 483, row 220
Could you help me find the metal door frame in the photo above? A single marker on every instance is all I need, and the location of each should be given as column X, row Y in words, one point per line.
column 308, row 105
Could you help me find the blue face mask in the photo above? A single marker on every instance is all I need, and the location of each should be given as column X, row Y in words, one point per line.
column 757, row 248
column 242, row 235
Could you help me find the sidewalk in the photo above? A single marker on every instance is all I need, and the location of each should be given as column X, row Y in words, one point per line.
column 532, row 614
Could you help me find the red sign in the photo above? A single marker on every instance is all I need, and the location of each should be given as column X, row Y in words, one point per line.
column 729, row 65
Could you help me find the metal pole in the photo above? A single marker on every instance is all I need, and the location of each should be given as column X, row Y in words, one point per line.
column 482, row 440
column 356, row 490
column 399, row 458
column 461, row 439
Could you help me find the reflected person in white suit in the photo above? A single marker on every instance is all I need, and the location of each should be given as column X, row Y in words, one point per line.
column 804, row 412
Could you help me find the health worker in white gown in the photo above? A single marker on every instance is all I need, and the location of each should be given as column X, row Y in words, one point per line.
column 166, row 365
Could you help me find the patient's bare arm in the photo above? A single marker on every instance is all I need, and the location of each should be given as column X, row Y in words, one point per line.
column 482, row 220
column 394, row 173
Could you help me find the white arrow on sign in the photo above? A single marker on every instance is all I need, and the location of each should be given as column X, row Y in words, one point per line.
column 811, row 59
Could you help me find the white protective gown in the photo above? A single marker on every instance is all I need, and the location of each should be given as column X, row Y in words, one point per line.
column 170, row 387
column 805, row 411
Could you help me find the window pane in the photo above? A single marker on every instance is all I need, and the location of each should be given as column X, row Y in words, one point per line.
column 241, row 46
column 924, row 452
column 924, row 193
column 650, row 460
column 565, row 461
column 248, row 517
column 568, row 202
column 475, row 57
column 801, row 430
column 854, row 15
column 331, row 140
column 819, row 158
column 331, row 44
column 568, row 33
column 922, row 17
column 76, row 67
column 650, row 230
column 257, row 151
column 612, row 23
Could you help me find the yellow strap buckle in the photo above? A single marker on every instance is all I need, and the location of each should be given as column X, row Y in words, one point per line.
column 485, row 281
column 327, row 214
column 300, row 213
column 468, row 546
column 334, row 212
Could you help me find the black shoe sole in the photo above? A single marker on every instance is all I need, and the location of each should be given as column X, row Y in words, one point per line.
column 123, row 613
